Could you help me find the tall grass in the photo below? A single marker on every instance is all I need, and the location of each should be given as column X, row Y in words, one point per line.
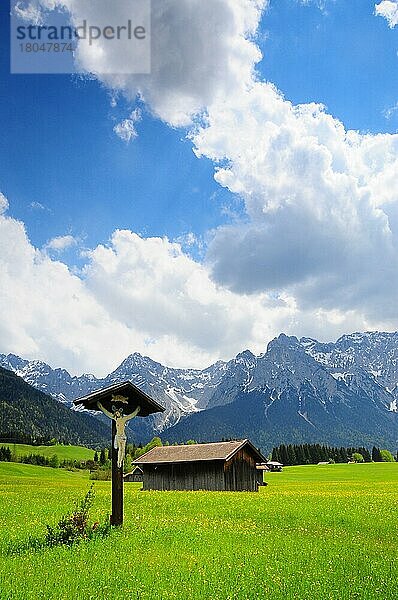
column 313, row 532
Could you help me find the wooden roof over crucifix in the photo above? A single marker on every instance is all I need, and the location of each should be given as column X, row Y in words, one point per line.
column 123, row 395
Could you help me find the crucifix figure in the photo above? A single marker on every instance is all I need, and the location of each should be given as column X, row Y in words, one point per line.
column 119, row 442
column 123, row 401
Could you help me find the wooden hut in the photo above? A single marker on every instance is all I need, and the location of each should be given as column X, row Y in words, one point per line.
column 134, row 475
column 262, row 468
column 221, row 466
column 274, row 465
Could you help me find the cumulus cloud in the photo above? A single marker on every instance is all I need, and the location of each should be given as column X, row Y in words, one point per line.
column 389, row 10
column 30, row 12
column 141, row 294
column 46, row 311
column 60, row 243
column 200, row 50
column 314, row 195
column 126, row 129
column 133, row 294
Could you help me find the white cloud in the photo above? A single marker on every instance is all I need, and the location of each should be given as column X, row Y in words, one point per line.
column 134, row 295
column 38, row 206
column 200, row 50
column 46, row 311
column 389, row 10
column 3, row 204
column 60, row 243
column 126, row 129
column 315, row 194
column 390, row 112
column 321, row 4
column 29, row 11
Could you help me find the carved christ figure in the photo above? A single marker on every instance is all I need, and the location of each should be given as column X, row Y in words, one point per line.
column 119, row 442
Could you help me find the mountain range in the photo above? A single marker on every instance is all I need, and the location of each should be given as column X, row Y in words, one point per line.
column 299, row 390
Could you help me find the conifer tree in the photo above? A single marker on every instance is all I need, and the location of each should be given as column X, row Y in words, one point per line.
column 324, row 453
column 314, row 453
column 102, row 458
column 284, row 455
column 344, row 455
column 300, row 456
column 291, row 455
column 275, row 454
column 376, row 454
column 307, row 457
column 366, row 455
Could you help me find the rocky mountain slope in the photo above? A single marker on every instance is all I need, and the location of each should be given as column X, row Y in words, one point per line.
column 303, row 389
column 292, row 398
column 180, row 391
column 373, row 352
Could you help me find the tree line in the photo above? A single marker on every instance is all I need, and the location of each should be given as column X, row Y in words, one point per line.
column 312, row 454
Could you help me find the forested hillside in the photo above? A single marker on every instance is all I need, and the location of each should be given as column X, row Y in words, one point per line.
column 28, row 415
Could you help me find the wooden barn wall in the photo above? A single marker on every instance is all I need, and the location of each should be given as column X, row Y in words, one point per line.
column 206, row 475
column 240, row 472
column 133, row 478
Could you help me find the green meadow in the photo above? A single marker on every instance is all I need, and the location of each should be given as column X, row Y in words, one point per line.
column 322, row 532
column 63, row 452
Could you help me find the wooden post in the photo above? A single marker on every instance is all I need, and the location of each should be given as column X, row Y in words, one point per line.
column 117, row 484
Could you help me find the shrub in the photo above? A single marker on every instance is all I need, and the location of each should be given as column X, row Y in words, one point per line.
column 386, row 456
column 5, row 454
column 70, row 530
column 54, row 461
column 358, row 458
column 101, row 475
column 75, row 527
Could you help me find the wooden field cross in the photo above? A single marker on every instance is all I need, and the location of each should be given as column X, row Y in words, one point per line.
column 121, row 403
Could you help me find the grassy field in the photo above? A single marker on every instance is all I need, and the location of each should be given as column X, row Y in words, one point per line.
column 63, row 452
column 322, row 532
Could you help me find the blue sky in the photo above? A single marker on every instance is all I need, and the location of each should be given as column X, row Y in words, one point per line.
column 342, row 56
column 243, row 269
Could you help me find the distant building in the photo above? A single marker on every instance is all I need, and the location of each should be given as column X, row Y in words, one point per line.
column 221, row 466
column 262, row 468
column 274, row 465
column 134, row 475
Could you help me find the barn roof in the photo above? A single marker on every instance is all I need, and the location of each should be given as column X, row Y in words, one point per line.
column 132, row 394
column 196, row 452
column 135, row 470
column 262, row 467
